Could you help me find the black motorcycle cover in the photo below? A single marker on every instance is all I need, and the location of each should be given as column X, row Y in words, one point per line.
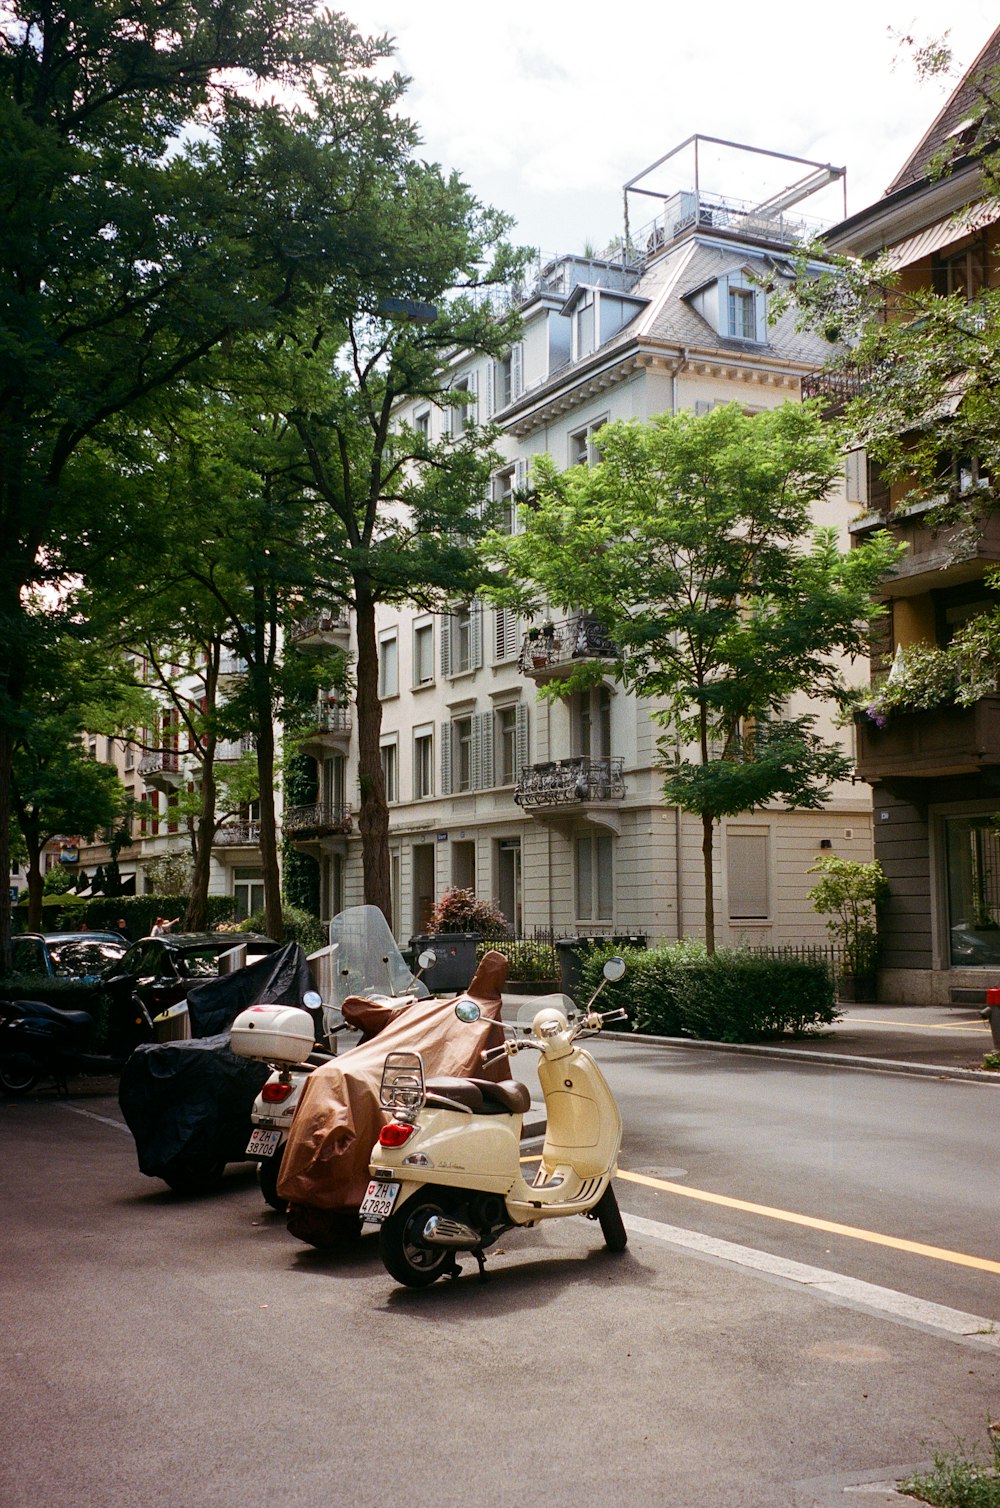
column 188, row 1103
column 280, row 978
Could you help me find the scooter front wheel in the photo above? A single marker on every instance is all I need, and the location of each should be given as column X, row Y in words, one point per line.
column 400, row 1246
column 18, row 1074
column 612, row 1226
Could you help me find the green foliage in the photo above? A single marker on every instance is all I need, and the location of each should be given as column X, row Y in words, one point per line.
column 57, row 881
column 925, row 676
column 851, row 894
column 168, row 874
column 139, row 912
column 298, row 926
column 461, row 911
column 961, row 1478
column 678, row 990
column 533, row 962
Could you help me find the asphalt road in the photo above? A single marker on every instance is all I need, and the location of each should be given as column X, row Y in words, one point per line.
column 190, row 1352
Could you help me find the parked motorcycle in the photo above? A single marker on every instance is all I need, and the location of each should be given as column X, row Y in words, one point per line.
column 294, row 1043
column 39, row 1041
column 445, row 1173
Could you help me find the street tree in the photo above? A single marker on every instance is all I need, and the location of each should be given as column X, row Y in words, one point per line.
column 170, row 175
column 692, row 542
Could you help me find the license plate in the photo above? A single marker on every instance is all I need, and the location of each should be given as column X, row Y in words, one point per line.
column 263, row 1143
column 379, row 1199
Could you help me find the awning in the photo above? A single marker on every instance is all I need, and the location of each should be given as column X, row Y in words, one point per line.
column 965, row 223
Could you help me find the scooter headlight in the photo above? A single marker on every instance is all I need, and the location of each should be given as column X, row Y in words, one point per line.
column 549, row 1023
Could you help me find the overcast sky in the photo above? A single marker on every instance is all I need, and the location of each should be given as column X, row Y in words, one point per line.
column 547, row 109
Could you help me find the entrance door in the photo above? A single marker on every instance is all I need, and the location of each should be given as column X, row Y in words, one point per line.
column 423, row 885
column 509, row 880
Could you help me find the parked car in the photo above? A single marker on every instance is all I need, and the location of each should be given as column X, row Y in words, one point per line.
column 161, row 970
column 84, row 956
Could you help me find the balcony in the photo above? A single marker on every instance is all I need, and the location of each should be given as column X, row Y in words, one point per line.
column 230, row 750
column 331, row 729
column 320, row 819
column 231, row 668
column 161, row 768
column 836, row 386
column 327, row 630
column 549, row 652
column 242, row 834
column 567, row 789
column 943, row 741
column 949, row 553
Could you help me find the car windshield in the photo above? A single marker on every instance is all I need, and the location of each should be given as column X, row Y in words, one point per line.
column 84, row 955
column 199, row 963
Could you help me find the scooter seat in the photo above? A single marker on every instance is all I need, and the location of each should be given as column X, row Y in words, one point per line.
column 459, row 1091
column 38, row 1010
column 511, row 1095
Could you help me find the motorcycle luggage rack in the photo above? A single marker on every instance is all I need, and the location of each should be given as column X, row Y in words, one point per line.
column 402, row 1086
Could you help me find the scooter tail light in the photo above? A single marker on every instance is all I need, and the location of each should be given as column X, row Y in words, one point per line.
column 395, row 1134
column 276, row 1093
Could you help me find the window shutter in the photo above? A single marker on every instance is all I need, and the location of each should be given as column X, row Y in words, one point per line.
column 475, row 636
column 491, row 387
column 446, row 741
column 472, row 410
column 520, row 483
column 445, row 637
column 516, row 370
column 447, row 414
column 760, row 314
column 482, row 751
column 505, row 635
column 723, row 286
column 857, row 476
column 521, row 740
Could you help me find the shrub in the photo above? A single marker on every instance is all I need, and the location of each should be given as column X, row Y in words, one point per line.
column 462, row 911
column 851, row 895
column 529, row 961
column 299, row 926
column 139, row 912
column 734, row 996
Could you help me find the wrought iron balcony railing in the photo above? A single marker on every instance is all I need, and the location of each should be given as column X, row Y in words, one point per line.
column 332, row 621
column 227, row 750
column 331, row 717
column 567, row 781
column 160, row 762
column 560, row 644
column 238, row 835
column 317, row 818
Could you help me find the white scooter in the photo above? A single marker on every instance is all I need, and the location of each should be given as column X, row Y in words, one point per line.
column 294, row 1042
column 446, row 1174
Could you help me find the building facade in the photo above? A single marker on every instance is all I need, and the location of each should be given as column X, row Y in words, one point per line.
column 554, row 810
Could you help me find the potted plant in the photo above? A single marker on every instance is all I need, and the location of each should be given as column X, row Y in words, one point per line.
column 850, row 895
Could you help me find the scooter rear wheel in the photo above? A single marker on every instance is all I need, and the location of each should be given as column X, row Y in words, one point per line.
column 18, row 1074
column 405, row 1257
column 267, row 1179
column 612, row 1226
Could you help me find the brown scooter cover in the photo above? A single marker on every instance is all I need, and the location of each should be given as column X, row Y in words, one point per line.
column 338, row 1120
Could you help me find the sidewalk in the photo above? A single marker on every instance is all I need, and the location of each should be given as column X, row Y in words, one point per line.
column 937, row 1041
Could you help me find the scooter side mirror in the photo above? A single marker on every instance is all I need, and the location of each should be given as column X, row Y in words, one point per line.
column 614, row 970
column 311, row 999
column 467, row 1010
column 426, row 959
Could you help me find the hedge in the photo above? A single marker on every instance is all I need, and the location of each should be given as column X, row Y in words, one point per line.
column 734, row 996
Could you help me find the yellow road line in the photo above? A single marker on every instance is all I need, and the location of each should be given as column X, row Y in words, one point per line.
column 922, row 1026
column 832, row 1227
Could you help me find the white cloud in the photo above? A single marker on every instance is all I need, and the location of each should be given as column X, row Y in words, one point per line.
column 545, row 110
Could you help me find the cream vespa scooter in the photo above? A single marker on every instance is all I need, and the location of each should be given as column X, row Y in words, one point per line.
column 445, row 1172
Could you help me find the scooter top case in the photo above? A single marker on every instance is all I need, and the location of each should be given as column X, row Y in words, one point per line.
column 273, row 1033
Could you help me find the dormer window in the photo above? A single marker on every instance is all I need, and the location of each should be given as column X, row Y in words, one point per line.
column 742, row 314
column 742, row 308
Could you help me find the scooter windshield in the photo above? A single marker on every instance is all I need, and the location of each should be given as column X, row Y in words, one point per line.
column 529, row 1009
column 369, row 962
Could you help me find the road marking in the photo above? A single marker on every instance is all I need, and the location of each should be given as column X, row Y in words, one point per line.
column 921, row 1026
column 832, row 1227
column 954, row 1323
column 92, row 1116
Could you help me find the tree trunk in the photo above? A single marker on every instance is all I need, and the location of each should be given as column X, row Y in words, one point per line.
column 268, row 826
column 707, row 845
column 36, row 889
column 373, row 817
column 6, row 761
column 196, row 917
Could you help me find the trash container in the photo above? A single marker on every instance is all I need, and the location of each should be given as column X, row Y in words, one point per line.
column 991, row 1013
column 455, row 959
column 571, row 951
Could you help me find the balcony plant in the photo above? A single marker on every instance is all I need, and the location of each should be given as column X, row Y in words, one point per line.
column 851, row 894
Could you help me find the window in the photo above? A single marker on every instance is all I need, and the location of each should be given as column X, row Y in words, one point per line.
column 747, row 871
column 582, row 449
column 388, row 666
column 503, row 496
column 462, row 640
column 461, row 415
column 508, row 887
column 595, row 878
column 591, row 711
column 972, row 847
column 463, row 753
column 506, row 735
column 963, row 272
column 507, row 378
column 742, row 325
column 248, row 892
column 390, row 770
column 423, row 763
column 423, row 654
column 585, row 326
column 422, row 423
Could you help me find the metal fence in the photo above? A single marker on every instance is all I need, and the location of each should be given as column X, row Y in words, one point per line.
column 828, row 954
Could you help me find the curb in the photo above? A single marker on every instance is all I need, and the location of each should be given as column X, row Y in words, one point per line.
column 831, row 1060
